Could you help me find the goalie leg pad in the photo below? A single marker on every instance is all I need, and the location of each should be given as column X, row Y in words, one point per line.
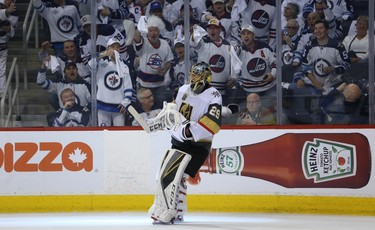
column 166, row 200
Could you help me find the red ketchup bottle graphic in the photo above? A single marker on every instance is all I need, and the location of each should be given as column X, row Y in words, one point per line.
column 299, row 160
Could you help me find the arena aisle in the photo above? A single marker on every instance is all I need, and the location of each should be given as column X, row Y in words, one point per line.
column 199, row 221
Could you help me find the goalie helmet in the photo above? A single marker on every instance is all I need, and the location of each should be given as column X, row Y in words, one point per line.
column 200, row 77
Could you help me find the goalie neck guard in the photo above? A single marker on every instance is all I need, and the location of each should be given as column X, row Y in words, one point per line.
column 200, row 77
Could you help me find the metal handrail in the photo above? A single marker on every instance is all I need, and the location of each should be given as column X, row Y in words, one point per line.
column 26, row 32
column 10, row 95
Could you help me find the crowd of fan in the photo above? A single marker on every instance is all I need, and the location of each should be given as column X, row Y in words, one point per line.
column 140, row 58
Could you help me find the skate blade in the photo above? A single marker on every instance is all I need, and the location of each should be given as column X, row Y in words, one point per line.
column 155, row 221
column 178, row 219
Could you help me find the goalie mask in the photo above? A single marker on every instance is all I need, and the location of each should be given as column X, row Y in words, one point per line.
column 200, row 77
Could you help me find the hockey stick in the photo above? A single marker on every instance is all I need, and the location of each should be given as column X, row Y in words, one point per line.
column 167, row 117
column 150, row 125
column 138, row 118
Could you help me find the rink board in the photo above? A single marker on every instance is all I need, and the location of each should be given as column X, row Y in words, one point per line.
column 114, row 170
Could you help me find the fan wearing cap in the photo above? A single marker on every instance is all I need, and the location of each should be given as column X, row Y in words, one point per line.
column 229, row 27
column 176, row 74
column 114, row 86
column 71, row 80
column 63, row 21
column 163, row 5
column 71, row 53
column 218, row 55
column 261, row 14
column 258, row 71
column 155, row 59
column 156, row 9
column 104, row 33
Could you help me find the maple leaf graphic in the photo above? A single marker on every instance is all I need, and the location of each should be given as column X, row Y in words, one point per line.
column 77, row 156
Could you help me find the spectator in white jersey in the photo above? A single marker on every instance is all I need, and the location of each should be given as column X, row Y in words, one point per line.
column 307, row 33
column 290, row 41
column 258, row 70
column 176, row 75
column 63, row 21
column 155, row 59
column 114, row 86
column 229, row 30
column 357, row 46
column 324, row 60
column 218, row 54
column 8, row 22
column 261, row 14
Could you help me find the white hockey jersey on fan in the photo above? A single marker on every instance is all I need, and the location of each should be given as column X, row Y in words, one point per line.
column 64, row 22
column 218, row 57
column 177, row 75
column 203, row 110
column 261, row 17
column 151, row 59
column 230, row 28
column 316, row 58
column 254, row 67
column 114, row 88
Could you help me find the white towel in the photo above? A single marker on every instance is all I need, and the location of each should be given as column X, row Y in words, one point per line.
column 142, row 25
column 121, row 70
column 236, row 63
column 52, row 64
column 198, row 34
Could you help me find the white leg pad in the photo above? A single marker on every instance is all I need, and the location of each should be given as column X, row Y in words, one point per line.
column 166, row 201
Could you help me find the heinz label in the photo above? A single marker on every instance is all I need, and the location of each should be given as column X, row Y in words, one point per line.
column 230, row 161
column 326, row 160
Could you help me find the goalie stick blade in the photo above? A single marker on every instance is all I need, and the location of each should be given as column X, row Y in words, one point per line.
column 138, row 118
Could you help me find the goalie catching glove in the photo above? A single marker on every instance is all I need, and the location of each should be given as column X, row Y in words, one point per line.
column 175, row 122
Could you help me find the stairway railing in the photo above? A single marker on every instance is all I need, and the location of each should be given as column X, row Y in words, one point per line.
column 11, row 95
column 27, row 28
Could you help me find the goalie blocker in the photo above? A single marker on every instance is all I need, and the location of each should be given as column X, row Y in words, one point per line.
column 171, row 173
